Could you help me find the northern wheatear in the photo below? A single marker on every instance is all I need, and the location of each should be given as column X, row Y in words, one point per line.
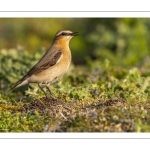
column 52, row 65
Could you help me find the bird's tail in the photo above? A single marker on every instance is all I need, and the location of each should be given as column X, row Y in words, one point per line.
column 21, row 82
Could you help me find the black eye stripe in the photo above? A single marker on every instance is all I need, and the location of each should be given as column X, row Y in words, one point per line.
column 63, row 33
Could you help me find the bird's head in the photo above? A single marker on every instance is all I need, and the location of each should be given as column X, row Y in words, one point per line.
column 64, row 35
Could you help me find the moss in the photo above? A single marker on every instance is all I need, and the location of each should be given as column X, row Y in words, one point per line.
column 95, row 97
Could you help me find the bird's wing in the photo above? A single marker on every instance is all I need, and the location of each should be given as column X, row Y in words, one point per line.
column 46, row 62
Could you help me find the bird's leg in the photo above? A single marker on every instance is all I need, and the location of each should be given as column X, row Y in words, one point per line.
column 42, row 89
column 51, row 93
column 30, row 86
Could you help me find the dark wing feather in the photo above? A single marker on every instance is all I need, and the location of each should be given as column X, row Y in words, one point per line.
column 48, row 60
column 45, row 64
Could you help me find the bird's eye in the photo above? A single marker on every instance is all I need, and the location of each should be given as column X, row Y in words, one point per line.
column 63, row 33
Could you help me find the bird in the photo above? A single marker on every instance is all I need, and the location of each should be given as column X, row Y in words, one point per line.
column 54, row 63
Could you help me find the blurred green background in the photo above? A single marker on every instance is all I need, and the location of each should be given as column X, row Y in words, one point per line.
column 123, row 41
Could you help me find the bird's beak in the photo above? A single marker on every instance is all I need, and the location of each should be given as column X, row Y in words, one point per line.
column 75, row 34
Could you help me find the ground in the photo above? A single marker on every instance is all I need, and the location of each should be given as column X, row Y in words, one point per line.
column 97, row 97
